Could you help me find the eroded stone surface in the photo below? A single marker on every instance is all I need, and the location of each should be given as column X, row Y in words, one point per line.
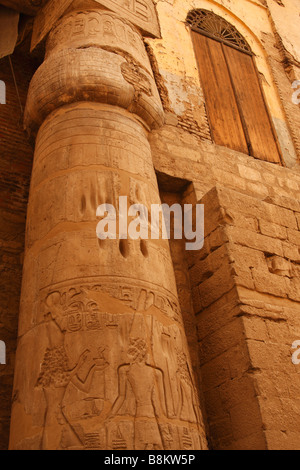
column 111, row 366
column 95, row 317
column 141, row 13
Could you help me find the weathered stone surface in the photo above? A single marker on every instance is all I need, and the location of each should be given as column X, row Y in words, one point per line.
column 246, row 298
column 87, row 71
column 111, row 368
column 101, row 29
column 103, row 317
column 140, row 13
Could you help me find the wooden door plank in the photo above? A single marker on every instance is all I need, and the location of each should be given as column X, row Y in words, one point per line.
column 223, row 113
column 252, row 105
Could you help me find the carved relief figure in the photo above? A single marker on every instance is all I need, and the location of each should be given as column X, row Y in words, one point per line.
column 150, row 391
column 146, row 384
column 186, row 406
column 56, row 374
column 108, row 28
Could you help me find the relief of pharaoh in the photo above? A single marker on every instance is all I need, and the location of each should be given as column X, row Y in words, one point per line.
column 63, row 376
column 146, row 383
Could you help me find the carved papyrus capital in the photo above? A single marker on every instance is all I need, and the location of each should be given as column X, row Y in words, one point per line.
column 94, row 56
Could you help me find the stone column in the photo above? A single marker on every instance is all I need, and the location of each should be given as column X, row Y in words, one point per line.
column 102, row 359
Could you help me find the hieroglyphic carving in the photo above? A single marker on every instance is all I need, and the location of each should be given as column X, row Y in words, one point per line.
column 101, row 28
column 187, row 443
column 119, row 443
column 187, row 410
column 54, row 379
column 105, row 314
column 133, row 412
column 139, row 12
column 80, row 312
column 92, row 441
column 141, row 299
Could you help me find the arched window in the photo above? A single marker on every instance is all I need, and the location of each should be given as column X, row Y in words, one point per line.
column 237, row 111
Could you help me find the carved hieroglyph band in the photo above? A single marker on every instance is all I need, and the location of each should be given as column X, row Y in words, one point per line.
column 98, row 28
column 94, row 56
column 111, row 381
column 140, row 13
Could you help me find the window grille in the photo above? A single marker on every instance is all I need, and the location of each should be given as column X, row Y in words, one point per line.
column 216, row 27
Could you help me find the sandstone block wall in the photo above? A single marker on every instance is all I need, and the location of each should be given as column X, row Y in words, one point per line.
column 180, row 154
column 245, row 288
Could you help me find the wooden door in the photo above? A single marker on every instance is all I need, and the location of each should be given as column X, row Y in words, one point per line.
column 236, row 108
column 222, row 109
column 252, row 105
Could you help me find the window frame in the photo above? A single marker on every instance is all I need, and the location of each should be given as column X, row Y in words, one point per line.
column 250, row 53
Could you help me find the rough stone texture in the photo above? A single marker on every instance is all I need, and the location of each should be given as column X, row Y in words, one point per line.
column 141, row 13
column 111, row 368
column 94, row 107
column 262, row 31
column 87, row 67
column 245, row 288
column 179, row 154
